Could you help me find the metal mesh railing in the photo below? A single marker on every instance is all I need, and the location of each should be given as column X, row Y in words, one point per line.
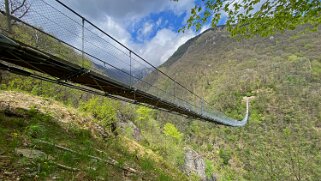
column 49, row 23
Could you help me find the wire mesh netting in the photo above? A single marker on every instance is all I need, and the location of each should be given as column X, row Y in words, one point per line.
column 49, row 23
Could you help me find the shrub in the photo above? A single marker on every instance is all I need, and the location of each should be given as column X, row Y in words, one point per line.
column 171, row 131
column 225, row 155
column 104, row 110
column 144, row 113
column 35, row 131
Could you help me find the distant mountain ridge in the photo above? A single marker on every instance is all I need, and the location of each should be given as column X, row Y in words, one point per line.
column 123, row 75
column 183, row 48
column 281, row 74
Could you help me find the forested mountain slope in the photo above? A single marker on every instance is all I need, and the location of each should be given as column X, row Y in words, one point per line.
column 282, row 75
column 282, row 141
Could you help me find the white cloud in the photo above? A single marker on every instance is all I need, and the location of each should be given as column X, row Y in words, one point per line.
column 159, row 21
column 128, row 10
column 181, row 6
column 145, row 31
column 163, row 45
column 148, row 27
column 115, row 29
column 156, row 50
column 114, row 17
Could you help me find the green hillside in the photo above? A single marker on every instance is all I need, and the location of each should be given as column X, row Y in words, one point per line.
column 41, row 139
column 82, row 136
column 282, row 76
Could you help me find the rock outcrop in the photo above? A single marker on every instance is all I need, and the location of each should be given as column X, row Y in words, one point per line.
column 194, row 163
column 128, row 127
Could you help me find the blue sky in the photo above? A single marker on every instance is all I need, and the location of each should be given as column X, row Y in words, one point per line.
column 149, row 27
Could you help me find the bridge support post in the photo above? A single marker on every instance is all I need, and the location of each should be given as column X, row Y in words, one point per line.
column 8, row 15
column 174, row 92
column 83, row 42
column 130, row 68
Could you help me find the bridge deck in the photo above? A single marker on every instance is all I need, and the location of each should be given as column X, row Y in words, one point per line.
column 31, row 58
column 119, row 72
column 25, row 56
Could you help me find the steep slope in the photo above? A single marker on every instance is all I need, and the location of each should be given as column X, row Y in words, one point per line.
column 42, row 139
column 184, row 48
column 282, row 74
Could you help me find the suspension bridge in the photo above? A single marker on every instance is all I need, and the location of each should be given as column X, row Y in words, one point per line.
column 54, row 43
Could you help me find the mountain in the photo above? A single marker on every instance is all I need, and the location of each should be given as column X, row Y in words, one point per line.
column 183, row 48
column 123, row 75
column 281, row 74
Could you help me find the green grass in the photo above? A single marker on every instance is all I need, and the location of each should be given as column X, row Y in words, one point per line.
column 24, row 128
column 316, row 67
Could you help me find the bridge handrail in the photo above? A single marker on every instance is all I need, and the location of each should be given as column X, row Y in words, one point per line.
column 199, row 105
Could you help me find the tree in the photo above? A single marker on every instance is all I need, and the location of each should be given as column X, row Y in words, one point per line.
column 247, row 18
column 17, row 8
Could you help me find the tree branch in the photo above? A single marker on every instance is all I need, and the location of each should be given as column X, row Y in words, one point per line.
column 19, row 7
column 64, row 166
column 25, row 12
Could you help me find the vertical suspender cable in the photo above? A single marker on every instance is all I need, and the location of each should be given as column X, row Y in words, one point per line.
column 130, row 69
column 83, row 42
column 8, row 15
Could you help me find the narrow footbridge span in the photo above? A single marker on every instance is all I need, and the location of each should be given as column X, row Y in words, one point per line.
column 54, row 43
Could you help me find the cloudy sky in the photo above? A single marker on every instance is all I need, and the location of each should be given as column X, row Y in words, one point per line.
column 149, row 27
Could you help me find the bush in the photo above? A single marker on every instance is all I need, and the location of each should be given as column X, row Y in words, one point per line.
column 225, row 155
column 103, row 109
column 35, row 131
column 171, row 131
column 144, row 113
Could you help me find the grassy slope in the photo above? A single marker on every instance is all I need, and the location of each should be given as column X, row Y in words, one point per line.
column 104, row 110
column 26, row 119
column 282, row 140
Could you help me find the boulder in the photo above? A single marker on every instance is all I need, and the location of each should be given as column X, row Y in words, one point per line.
column 32, row 153
column 194, row 163
column 125, row 126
